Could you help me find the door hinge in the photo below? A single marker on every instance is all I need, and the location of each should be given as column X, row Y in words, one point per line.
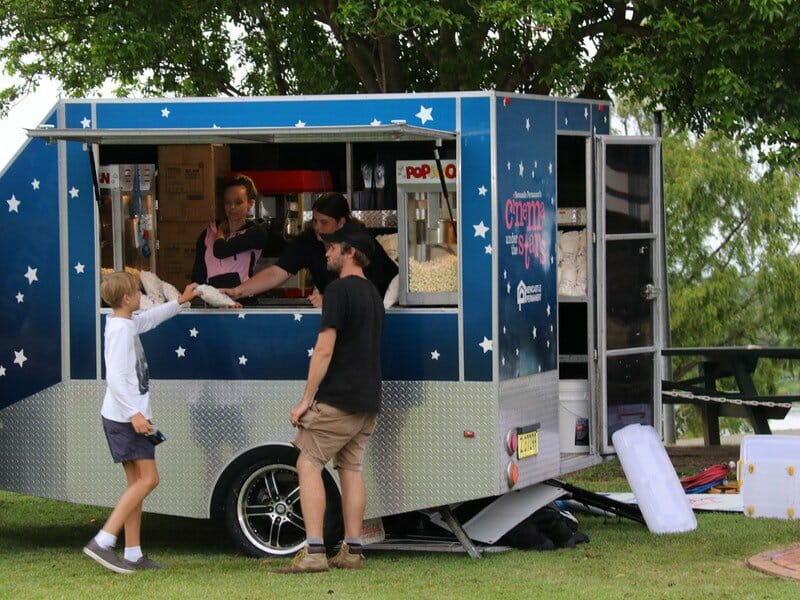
column 594, row 354
column 158, row 246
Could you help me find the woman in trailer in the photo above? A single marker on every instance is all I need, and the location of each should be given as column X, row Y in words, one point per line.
column 329, row 213
column 228, row 250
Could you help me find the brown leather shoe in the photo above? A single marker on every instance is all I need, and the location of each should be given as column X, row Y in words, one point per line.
column 345, row 559
column 305, row 562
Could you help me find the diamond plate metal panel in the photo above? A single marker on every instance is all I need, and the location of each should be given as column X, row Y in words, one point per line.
column 53, row 443
column 527, row 401
column 420, row 457
column 33, row 448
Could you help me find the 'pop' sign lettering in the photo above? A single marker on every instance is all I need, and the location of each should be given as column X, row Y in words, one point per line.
column 420, row 171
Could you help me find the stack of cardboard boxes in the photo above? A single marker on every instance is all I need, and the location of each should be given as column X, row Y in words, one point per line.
column 190, row 181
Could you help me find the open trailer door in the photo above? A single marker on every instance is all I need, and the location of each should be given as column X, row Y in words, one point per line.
column 629, row 283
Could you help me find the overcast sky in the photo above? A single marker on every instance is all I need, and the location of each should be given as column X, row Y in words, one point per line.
column 26, row 114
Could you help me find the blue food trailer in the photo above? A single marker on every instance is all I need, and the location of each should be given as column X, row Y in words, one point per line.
column 525, row 329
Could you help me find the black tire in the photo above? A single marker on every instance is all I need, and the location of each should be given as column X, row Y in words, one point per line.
column 263, row 514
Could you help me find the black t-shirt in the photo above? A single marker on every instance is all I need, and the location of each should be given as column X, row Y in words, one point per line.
column 355, row 310
column 307, row 252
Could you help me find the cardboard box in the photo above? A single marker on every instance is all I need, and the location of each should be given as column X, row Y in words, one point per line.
column 190, row 181
column 175, row 262
column 180, row 232
column 177, row 241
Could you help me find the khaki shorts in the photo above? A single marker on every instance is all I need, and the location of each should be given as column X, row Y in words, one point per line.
column 328, row 432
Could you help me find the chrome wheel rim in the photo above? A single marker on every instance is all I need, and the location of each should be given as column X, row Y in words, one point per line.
column 268, row 509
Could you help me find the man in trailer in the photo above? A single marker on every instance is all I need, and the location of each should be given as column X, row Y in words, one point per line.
column 339, row 408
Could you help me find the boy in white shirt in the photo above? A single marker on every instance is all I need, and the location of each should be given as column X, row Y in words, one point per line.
column 127, row 416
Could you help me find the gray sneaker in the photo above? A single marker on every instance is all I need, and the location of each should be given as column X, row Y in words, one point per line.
column 143, row 564
column 106, row 557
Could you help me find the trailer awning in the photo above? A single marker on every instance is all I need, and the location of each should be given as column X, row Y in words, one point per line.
column 396, row 132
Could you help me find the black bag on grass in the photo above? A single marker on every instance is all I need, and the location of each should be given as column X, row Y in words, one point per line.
column 546, row 529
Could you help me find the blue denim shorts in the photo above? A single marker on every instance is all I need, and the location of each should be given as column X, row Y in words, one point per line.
column 125, row 444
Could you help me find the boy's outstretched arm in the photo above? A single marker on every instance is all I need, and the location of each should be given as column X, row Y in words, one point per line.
column 189, row 292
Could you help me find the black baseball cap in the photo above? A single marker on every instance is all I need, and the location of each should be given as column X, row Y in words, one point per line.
column 352, row 234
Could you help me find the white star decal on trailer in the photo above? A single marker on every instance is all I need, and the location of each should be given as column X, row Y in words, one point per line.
column 180, row 351
column 300, row 123
column 13, row 204
column 486, row 344
column 375, row 122
column 20, row 297
column 240, row 315
column 482, row 190
column 79, row 268
column 19, row 357
column 521, row 169
column 310, row 352
column 487, row 249
column 74, row 192
column 435, row 355
column 35, row 184
column 480, row 230
column 193, row 332
column 86, row 122
column 242, row 360
column 2, row 371
column 30, row 275
column 165, row 112
column 424, row 114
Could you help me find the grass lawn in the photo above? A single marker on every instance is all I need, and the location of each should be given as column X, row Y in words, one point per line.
column 40, row 543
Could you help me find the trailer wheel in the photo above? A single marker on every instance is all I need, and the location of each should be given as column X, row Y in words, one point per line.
column 263, row 513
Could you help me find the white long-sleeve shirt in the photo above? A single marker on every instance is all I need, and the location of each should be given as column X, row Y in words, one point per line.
column 127, row 375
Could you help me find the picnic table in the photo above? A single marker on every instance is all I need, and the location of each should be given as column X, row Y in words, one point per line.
column 738, row 362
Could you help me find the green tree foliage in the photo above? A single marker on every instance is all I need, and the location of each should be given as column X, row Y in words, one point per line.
column 733, row 235
column 729, row 65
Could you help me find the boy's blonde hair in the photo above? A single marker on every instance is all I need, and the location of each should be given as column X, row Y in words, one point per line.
column 115, row 285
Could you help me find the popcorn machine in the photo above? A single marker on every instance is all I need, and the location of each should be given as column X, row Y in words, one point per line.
column 127, row 217
column 427, row 242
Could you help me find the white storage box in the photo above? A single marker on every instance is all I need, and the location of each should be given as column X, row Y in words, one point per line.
column 573, row 416
column 769, row 475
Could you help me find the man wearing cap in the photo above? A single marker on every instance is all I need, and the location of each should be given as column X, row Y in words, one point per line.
column 339, row 408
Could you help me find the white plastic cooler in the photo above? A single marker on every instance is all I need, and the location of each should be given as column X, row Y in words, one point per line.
column 769, row 472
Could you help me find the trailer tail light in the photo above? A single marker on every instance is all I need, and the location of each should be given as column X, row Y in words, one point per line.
column 511, row 442
column 512, row 474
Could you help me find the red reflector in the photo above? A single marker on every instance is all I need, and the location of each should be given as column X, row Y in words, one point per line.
column 511, row 442
column 469, row 434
